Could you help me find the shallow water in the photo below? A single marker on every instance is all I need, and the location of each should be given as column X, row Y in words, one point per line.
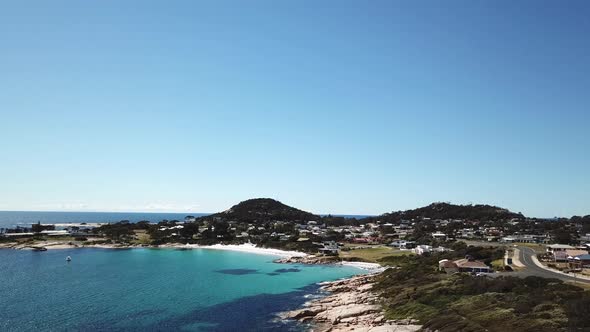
column 152, row 289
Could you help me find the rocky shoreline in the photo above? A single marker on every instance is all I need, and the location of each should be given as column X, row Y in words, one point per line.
column 351, row 306
column 310, row 259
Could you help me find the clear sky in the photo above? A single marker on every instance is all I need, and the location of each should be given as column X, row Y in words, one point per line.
column 353, row 107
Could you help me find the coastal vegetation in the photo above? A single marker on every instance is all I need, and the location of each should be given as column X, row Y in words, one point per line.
column 416, row 289
column 262, row 210
column 412, row 287
column 452, row 211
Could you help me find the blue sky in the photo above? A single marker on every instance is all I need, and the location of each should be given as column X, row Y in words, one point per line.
column 334, row 106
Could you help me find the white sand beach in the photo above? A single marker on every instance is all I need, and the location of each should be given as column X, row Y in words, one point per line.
column 373, row 267
column 251, row 248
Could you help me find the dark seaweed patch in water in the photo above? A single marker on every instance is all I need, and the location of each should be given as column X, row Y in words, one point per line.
column 252, row 313
column 237, row 272
column 273, row 274
column 287, row 270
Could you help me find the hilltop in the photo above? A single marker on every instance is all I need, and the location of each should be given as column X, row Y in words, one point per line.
column 452, row 211
column 263, row 209
column 267, row 209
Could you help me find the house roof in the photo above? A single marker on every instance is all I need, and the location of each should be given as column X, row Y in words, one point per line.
column 560, row 246
column 447, row 264
column 575, row 253
column 472, row 264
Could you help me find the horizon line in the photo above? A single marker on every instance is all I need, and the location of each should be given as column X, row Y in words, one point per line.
column 174, row 212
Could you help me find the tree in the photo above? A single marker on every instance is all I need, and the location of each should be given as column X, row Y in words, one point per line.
column 562, row 235
column 37, row 228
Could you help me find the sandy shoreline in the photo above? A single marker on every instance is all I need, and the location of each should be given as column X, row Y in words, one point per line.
column 250, row 248
column 284, row 256
column 247, row 248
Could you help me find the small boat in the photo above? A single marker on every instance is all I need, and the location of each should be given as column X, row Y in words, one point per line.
column 68, row 259
column 39, row 249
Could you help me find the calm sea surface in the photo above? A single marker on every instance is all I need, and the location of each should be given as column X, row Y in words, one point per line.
column 152, row 290
column 25, row 218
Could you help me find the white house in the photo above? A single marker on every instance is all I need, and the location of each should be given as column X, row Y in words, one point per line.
column 439, row 236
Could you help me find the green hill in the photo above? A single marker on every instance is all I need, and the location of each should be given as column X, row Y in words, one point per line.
column 263, row 209
column 452, row 211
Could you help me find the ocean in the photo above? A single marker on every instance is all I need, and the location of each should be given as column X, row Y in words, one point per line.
column 153, row 290
column 26, row 218
column 10, row 219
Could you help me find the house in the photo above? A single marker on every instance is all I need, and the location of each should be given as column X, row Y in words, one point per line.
column 584, row 259
column 402, row 244
column 473, row 266
column 368, row 240
column 387, row 227
column 559, row 251
column 575, row 252
column 508, row 239
column 439, row 236
column 329, row 248
column 553, row 248
column 55, row 233
column 243, row 234
column 422, row 249
column 447, row 266
column 560, row 256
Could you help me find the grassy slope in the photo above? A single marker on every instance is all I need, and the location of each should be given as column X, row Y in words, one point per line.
column 464, row 303
column 373, row 255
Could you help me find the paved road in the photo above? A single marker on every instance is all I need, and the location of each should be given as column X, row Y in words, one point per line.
column 526, row 259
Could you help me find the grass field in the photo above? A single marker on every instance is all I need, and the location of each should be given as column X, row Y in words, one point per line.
column 498, row 263
column 372, row 254
column 142, row 237
column 539, row 248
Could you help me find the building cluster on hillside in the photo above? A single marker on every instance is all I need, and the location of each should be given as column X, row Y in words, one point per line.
column 566, row 253
column 422, row 235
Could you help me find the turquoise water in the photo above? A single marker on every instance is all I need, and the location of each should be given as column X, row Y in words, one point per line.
column 152, row 290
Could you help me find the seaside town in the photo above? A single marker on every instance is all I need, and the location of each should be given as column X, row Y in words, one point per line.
column 442, row 244
column 563, row 239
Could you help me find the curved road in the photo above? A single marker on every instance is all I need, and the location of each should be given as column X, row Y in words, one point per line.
column 526, row 258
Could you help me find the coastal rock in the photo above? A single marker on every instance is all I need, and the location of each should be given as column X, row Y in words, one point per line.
column 351, row 310
column 351, row 306
column 311, row 259
column 304, row 313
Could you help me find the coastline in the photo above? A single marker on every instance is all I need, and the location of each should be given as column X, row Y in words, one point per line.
column 345, row 305
column 247, row 248
column 351, row 305
column 283, row 256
